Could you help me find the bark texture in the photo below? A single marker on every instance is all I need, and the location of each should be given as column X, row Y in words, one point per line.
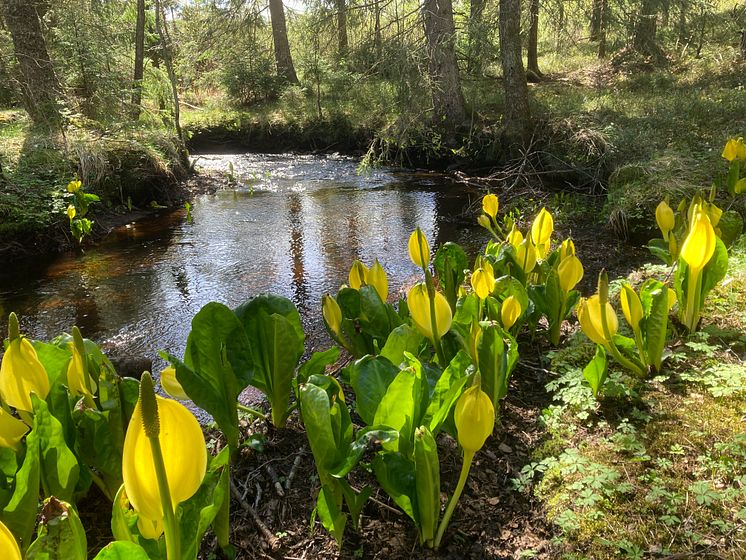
column 40, row 88
column 342, row 44
column 139, row 59
column 645, row 41
column 162, row 31
column 517, row 113
column 283, row 59
column 445, row 85
column 476, row 37
column 533, row 41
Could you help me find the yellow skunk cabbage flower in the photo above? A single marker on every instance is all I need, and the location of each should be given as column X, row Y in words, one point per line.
column 71, row 212
column 699, row 245
column 589, row 315
column 21, row 372
column 483, row 281
column 510, row 311
column 377, row 278
column 332, row 314
column 171, row 385
column 475, row 419
column 484, row 221
column 631, row 306
column 526, row 255
column 714, row 213
column 358, row 275
column 734, row 149
column 74, row 186
column 665, row 218
column 12, row 430
column 542, row 228
column 77, row 369
column 184, row 457
column 419, row 309
column 419, row 251
column 570, row 272
column 672, row 299
column 567, row 249
column 490, row 204
column 8, row 546
column 515, row 237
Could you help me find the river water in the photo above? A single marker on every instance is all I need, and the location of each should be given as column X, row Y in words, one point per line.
column 292, row 226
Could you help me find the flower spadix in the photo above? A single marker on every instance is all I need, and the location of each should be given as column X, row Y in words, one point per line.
column 21, row 372
column 665, row 218
column 490, row 204
column 78, row 379
column 589, row 315
column 699, row 245
column 377, row 278
column 183, row 455
column 510, row 311
column 570, row 272
column 418, row 302
column 8, row 546
column 419, row 250
column 475, row 419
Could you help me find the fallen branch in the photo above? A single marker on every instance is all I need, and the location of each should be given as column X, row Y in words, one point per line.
column 272, row 540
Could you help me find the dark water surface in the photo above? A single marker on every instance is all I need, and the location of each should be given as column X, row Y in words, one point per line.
column 292, row 227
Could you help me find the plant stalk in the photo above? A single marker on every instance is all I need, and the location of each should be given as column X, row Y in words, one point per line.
column 465, row 467
column 170, row 527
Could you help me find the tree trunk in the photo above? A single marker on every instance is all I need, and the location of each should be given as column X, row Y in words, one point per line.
column 341, row 28
column 645, row 30
column 139, row 59
column 284, row 60
column 40, row 89
column 162, row 31
column 517, row 113
column 743, row 44
column 596, row 16
column 377, row 42
column 533, row 41
column 602, row 28
column 445, row 86
column 476, row 37
column 683, row 8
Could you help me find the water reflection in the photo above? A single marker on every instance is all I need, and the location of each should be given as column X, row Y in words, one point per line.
column 293, row 226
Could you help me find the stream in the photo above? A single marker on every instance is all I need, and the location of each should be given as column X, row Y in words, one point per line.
column 291, row 226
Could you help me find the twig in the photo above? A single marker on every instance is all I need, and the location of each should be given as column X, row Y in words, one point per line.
column 258, row 497
column 294, row 468
column 276, row 481
column 272, row 540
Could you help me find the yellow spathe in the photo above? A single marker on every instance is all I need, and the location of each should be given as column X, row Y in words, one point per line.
column 475, row 419
column 21, row 373
column 419, row 309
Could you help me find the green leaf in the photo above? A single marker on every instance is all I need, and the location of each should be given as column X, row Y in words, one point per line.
column 731, row 224
column 60, row 534
column 316, row 365
column 427, row 483
column 59, row 465
column 197, row 514
column 374, row 316
column 595, row 371
column 659, row 248
column 467, row 310
column 447, row 390
column 491, row 350
column 330, row 514
column 654, row 297
column 275, row 334
column 97, row 446
column 216, row 366
column 54, row 359
column 399, row 408
column 370, row 378
column 122, row 550
column 355, row 501
column 450, row 262
column 371, row 436
column 19, row 515
column 124, row 527
column 396, row 475
column 402, row 339
column 316, row 411
column 715, row 270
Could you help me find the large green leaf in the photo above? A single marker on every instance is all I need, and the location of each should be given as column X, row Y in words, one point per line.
column 447, row 390
column 715, row 270
column 374, row 316
column 491, row 350
column 19, row 515
column 216, row 366
column 402, row 339
column 366, row 438
column 330, row 513
column 370, row 377
column 122, row 550
column 400, row 407
column 54, row 359
column 60, row 534
column 316, row 364
column 97, row 446
column 427, row 482
column 275, row 334
column 654, row 297
column 195, row 515
column 396, row 475
column 450, row 262
column 59, row 465
column 316, row 411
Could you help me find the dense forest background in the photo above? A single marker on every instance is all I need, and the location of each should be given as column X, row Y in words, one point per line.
column 600, row 93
